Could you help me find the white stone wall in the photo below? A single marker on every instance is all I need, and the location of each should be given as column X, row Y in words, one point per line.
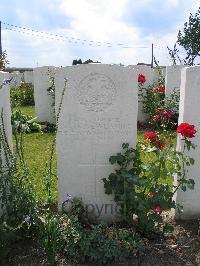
column 43, row 101
column 151, row 76
column 189, row 111
column 5, row 106
column 173, row 78
column 99, row 113
column 28, row 76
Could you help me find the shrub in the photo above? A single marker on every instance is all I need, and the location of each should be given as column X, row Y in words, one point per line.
column 142, row 187
column 161, row 111
column 97, row 244
column 22, row 95
column 24, row 123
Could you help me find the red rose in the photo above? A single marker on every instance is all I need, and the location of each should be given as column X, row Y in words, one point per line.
column 141, row 78
column 167, row 114
column 154, row 139
column 159, row 89
column 155, row 118
column 157, row 209
column 151, row 136
column 186, row 130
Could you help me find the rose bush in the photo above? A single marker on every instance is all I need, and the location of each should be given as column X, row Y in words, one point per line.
column 142, row 182
column 161, row 111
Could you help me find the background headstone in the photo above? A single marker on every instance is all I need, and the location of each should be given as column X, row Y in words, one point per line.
column 189, row 111
column 44, row 103
column 173, row 79
column 5, row 106
column 99, row 113
column 28, row 76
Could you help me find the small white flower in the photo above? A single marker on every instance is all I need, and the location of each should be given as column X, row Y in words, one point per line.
column 135, row 217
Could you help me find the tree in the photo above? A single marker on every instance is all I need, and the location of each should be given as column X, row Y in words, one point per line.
column 78, row 62
column 189, row 39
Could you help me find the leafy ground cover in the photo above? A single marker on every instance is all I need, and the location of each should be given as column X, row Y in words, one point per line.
column 182, row 247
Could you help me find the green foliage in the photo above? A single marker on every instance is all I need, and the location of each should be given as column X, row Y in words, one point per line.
column 48, row 229
column 140, row 187
column 24, row 123
column 97, row 244
column 52, row 87
column 79, row 62
column 189, row 40
column 7, row 235
column 22, row 95
column 16, row 190
column 3, row 60
column 161, row 111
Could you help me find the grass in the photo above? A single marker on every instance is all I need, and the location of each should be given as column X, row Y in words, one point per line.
column 37, row 148
column 28, row 110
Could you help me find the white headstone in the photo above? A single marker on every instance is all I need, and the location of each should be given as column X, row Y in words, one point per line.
column 44, row 103
column 173, row 79
column 28, row 77
column 5, row 107
column 99, row 113
column 189, row 112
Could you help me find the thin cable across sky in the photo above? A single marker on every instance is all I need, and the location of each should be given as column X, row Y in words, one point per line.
column 58, row 37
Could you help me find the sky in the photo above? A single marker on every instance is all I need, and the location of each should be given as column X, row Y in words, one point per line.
column 109, row 31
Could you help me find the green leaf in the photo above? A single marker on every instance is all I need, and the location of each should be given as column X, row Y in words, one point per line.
column 192, row 161
column 168, row 229
column 113, row 159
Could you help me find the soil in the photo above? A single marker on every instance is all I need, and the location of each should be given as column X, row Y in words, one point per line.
column 182, row 247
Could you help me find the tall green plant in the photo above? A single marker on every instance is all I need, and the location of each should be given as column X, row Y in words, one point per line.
column 48, row 223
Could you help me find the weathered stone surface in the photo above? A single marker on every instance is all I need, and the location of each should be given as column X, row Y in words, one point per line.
column 28, row 77
column 189, row 112
column 173, row 79
column 99, row 113
column 44, row 106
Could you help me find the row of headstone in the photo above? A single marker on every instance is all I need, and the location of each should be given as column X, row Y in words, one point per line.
column 43, row 100
column 18, row 77
column 99, row 113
